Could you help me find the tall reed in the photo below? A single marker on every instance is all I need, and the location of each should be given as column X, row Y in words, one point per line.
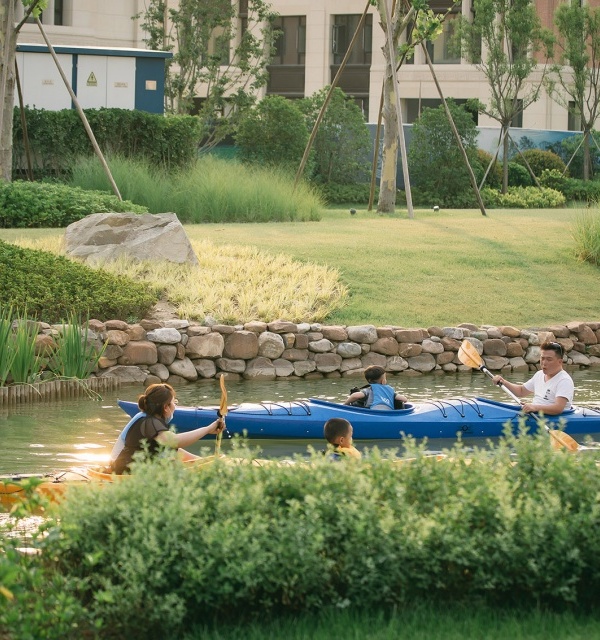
column 75, row 356
column 213, row 190
column 7, row 351
column 26, row 365
column 586, row 233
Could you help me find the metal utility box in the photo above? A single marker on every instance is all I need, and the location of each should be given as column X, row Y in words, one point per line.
column 100, row 77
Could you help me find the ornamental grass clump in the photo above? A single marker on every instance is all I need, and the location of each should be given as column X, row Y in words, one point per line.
column 76, row 354
column 27, row 363
column 586, row 233
column 514, row 526
column 7, row 352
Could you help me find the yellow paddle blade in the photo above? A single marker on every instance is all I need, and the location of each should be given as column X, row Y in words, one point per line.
column 469, row 356
column 223, row 407
column 562, row 439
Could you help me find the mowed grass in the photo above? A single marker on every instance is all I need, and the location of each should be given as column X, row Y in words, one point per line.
column 514, row 267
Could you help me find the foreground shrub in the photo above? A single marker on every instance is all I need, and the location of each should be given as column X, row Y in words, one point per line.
column 572, row 188
column 518, row 175
column 539, row 160
column 244, row 541
column 480, row 166
column 51, row 287
column 213, row 190
column 38, row 204
column 523, row 198
column 586, row 233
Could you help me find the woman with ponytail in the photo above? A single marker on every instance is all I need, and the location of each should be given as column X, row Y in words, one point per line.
column 149, row 428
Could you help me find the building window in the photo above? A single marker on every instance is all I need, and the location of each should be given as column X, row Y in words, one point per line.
column 517, row 121
column 415, row 106
column 574, row 120
column 441, row 50
column 290, row 43
column 343, row 31
column 58, row 12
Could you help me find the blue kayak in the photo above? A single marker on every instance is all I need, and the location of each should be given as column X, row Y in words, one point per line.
column 472, row 417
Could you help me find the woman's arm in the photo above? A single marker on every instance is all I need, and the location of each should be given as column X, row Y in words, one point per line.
column 179, row 440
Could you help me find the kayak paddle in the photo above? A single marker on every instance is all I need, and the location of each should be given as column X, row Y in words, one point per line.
column 222, row 413
column 469, row 356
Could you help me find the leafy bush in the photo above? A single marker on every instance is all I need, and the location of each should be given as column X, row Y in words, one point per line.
column 480, row 165
column 242, row 540
column 274, row 133
column 436, row 164
column 586, row 233
column 51, row 287
column 539, row 160
column 570, row 145
column 572, row 188
column 58, row 137
column 518, row 175
column 212, row 190
column 38, row 204
column 342, row 147
column 346, row 193
column 523, row 198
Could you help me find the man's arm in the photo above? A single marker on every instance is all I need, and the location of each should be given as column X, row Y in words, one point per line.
column 554, row 409
column 518, row 389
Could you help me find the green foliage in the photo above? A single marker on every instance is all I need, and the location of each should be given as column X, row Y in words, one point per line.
column 539, row 160
column 213, row 190
column 436, row 164
column 51, row 287
column 586, row 233
column 518, row 175
column 274, row 133
column 480, row 165
column 247, row 541
column 76, row 354
column 7, row 353
column 574, row 190
column 346, row 193
column 58, row 137
column 523, row 198
column 38, row 204
column 342, row 147
column 26, row 365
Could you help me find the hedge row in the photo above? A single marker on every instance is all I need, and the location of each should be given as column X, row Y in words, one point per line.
column 57, row 137
column 243, row 541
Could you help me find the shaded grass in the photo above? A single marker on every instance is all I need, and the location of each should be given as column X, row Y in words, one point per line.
column 512, row 267
column 214, row 190
column 421, row 622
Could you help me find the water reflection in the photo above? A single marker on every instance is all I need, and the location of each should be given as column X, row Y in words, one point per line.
column 45, row 437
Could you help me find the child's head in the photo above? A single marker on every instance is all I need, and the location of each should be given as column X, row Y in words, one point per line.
column 338, row 431
column 374, row 374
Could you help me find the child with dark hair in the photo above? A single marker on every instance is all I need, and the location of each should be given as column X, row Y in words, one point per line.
column 338, row 433
column 148, row 428
column 378, row 394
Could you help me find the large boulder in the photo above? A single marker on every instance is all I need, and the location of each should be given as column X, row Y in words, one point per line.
column 103, row 237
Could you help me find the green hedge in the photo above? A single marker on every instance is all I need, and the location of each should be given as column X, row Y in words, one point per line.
column 57, row 137
column 51, row 287
column 243, row 541
column 334, row 193
column 523, row 198
column 40, row 204
column 572, row 188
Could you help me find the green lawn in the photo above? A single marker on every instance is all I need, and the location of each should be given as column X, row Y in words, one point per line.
column 513, row 267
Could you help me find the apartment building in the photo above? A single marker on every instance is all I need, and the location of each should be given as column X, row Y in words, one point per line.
column 315, row 37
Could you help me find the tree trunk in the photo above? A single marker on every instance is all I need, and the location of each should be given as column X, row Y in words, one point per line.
column 8, row 43
column 389, row 160
column 505, row 159
column 587, row 157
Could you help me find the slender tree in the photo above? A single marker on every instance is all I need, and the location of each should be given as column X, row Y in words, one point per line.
column 504, row 41
column 426, row 25
column 578, row 70
column 9, row 31
column 216, row 54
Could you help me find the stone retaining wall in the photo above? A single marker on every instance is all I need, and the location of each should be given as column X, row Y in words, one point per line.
column 179, row 351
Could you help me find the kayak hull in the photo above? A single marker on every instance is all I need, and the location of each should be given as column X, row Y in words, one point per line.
column 471, row 417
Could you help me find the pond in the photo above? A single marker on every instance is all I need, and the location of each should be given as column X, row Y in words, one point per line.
column 44, row 437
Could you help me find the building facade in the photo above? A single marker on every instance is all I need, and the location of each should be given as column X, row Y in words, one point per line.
column 315, row 35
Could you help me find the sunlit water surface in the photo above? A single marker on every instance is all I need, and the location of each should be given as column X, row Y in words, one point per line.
column 45, row 437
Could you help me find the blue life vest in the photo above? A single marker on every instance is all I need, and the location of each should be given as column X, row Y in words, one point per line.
column 381, row 396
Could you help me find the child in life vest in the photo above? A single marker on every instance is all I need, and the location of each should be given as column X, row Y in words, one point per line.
column 378, row 394
column 338, row 432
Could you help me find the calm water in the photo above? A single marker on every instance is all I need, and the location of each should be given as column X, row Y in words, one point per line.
column 47, row 437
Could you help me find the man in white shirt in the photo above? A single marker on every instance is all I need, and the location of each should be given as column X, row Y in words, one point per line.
column 552, row 386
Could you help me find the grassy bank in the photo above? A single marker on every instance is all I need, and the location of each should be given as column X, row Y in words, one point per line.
column 512, row 267
column 417, row 623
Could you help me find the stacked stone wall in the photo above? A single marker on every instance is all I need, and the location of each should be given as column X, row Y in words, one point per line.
column 178, row 351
